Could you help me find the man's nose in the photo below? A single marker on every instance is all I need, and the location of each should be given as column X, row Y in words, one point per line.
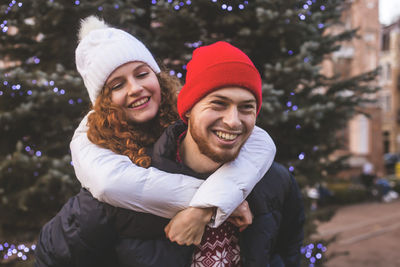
column 231, row 118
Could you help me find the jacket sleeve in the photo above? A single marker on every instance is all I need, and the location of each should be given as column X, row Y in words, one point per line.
column 79, row 235
column 291, row 233
column 114, row 179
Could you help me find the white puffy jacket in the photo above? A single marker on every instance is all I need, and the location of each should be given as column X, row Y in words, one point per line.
column 114, row 179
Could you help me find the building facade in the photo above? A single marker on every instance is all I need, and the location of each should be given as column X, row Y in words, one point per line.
column 389, row 82
column 363, row 137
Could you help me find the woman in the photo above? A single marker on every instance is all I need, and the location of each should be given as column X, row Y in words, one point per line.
column 133, row 102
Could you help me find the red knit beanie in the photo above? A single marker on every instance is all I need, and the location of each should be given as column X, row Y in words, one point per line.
column 216, row 66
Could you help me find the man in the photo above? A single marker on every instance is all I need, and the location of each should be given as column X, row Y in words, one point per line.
column 218, row 105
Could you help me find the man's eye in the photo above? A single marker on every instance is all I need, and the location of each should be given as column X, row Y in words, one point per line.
column 248, row 107
column 218, row 103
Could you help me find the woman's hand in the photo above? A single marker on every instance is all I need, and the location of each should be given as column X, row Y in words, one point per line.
column 241, row 216
column 187, row 226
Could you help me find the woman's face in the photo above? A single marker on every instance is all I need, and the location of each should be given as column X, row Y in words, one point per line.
column 134, row 86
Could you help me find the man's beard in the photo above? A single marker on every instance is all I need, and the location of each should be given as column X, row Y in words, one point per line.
column 206, row 149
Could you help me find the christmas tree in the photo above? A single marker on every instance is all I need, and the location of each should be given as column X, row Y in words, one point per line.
column 42, row 97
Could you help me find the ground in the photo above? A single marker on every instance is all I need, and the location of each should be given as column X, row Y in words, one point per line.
column 368, row 235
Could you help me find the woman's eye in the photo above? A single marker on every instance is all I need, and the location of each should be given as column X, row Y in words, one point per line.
column 142, row 74
column 117, row 86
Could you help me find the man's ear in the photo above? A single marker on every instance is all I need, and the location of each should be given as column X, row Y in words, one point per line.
column 187, row 114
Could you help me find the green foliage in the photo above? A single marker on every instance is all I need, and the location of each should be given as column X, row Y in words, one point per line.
column 302, row 109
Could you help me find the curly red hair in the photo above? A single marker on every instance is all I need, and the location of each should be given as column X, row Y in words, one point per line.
column 109, row 127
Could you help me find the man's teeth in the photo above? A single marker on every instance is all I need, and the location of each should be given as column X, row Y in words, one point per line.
column 226, row 136
column 140, row 102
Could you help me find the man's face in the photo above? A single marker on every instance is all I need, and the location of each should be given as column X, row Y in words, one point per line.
column 221, row 122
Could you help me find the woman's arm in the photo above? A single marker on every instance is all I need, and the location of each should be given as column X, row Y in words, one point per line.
column 113, row 179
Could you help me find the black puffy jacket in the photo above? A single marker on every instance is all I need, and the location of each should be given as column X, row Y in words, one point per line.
column 87, row 232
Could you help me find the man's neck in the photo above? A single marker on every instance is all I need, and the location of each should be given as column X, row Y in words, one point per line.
column 194, row 159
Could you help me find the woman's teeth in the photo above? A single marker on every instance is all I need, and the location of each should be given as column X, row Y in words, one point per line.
column 140, row 102
column 226, row 136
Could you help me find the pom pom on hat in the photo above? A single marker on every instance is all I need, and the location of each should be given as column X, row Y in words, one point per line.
column 213, row 67
column 102, row 49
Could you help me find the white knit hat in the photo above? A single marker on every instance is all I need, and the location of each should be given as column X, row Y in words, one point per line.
column 102, row 49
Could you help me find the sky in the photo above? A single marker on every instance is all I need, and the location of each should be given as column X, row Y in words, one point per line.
column 389, row 10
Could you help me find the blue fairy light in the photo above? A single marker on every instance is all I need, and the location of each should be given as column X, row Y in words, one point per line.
column 224, row 6
column 24, row 258
column 34, row 81
column 29, row 92
column 35, row 173
column 27, row 148
column 241, row 6
column 290, row 52
column 319, row 246
column 312, row 259
column 298, row 127
column 26, row 250
column 181, row 3
column 77, row 2
column 38, row 153
column 315, row 148
column 309, row 2
column 184, row 67
column 51, row 83
column 302, row 17
column 1, row 247
column 188, row 2
column 301, row 156
column 79, row 100
column 179, row 75
column 71, row 101
column 289, row 104
column 154, row 2
column 320, row 25
column 291, row 93
column 322, row 7
column 214, row 1
column 116, row 6
column 291, row 168
column 318, row 256
column 55, row 89
column 229, row 8
column 310, row 246
column 171, row 72
column 72, row 163
column 305, row 6
column 176, row 7
column 33, row 247
column 100, row 8
column 1, row 93
column 62, row 91
column 294, row 108
column 170, row 1
column 36, row 60
column 5, row 83
column 308, row 255
column 6, row 245
column 133, row 10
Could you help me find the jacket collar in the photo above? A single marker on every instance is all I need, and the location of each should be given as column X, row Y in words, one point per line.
column 163, row 152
